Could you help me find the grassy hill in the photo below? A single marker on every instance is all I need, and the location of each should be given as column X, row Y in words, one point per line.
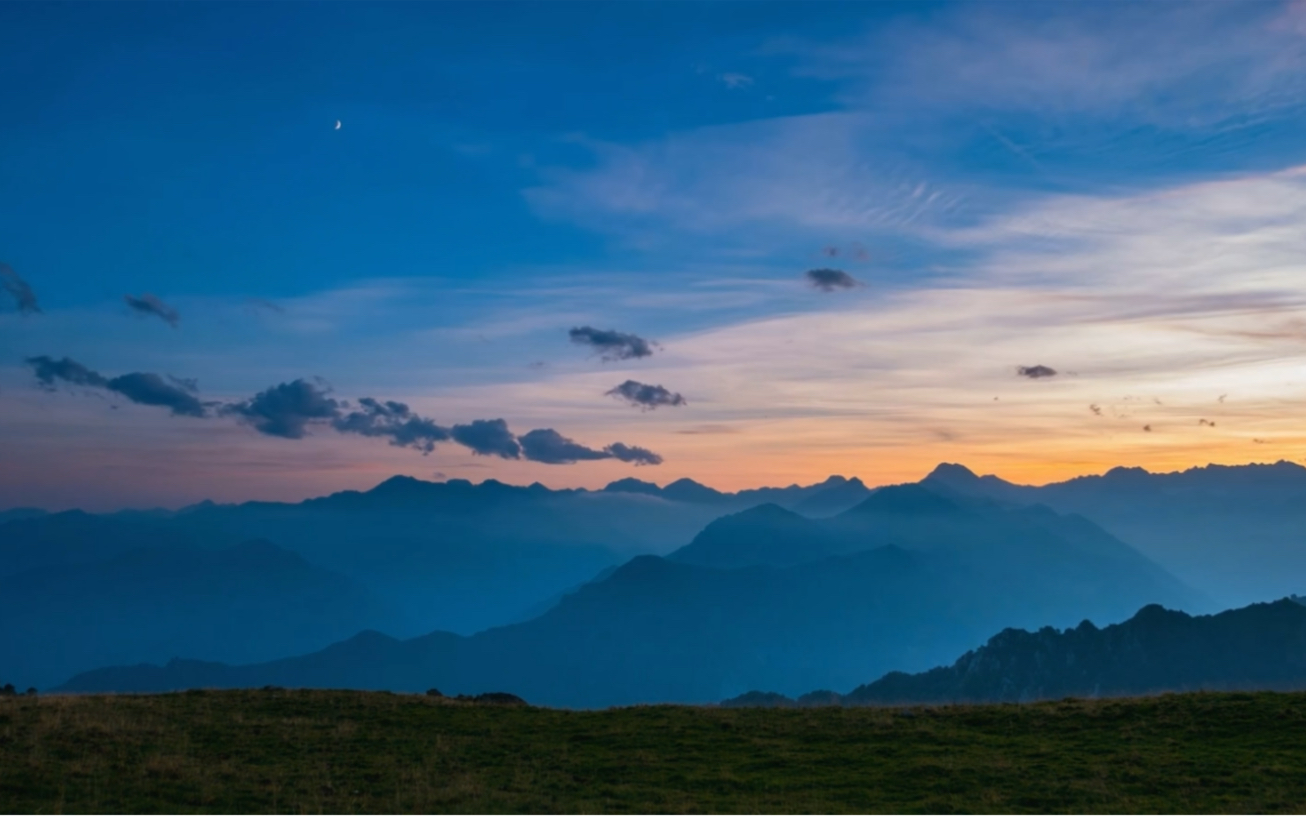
column 291, row 751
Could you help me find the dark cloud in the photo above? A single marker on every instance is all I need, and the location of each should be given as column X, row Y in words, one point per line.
column 645, row 396
column 260, row 304
column 24, row 297
column 48, row 370
column 1147, row 428
column 148, row 304
column 488, row 437
column 142, row 388
column 151, row 389
column 830, row 252
column 632, row 453
column 552, row 448
column 287, row 409
column 827, row 280
column 394, row 421
column 611, row 344
column 1035, row 372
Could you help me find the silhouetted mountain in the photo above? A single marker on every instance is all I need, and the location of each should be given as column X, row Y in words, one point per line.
column 835, row 499
column 767, row 534
column 1235, row 533
column 450, row 555
column 687, row 490
column 633, row 485
column 250, row 602
column 1259, row 647
column 812, row 604
column 20, row 513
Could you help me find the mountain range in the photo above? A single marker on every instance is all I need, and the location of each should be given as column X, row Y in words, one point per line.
column 450, row 556
column 631, row 593
column 1258, row 647
column 1237, row 533
column 901, row 580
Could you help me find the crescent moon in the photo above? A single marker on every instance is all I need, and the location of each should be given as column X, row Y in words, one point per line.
column 337, row 124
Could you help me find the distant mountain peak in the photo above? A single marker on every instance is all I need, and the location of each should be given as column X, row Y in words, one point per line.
column 690, row 490
column 632, row 485
column 948, row 471
column 906, row 499
column 398, row 483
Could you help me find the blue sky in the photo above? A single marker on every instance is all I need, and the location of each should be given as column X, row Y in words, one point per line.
column 506, row 172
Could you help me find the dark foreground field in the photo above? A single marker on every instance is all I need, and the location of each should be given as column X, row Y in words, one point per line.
column 293, row 751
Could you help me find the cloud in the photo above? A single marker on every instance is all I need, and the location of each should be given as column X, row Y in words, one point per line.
column 1035, row 372
column 23, row 296
column 645, row 396
column 746, row 185
column 290, row 410
column 1206, row 422
column 708, row 429
column 1096, row 409
column 488, row 437
column 633, row 453
column 261, row 304
column 142, row 388
column 735, row 81
column 48, row 370
column 827, row 280
column 148, row 304
column 151, row 389
column 1183, row 66
column 286, row 410
column 394, row 421
column 552, row 448
column 611, row 344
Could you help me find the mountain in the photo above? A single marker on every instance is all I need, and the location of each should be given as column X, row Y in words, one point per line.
column 249, row 602
column 1237, row 533
column 767, row 534
column 448, row 555
column 834, row 499
column 905, row 580
column 1258, row 647
column 1005, row 549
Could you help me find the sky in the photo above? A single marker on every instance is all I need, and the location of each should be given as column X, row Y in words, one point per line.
column 742, row 243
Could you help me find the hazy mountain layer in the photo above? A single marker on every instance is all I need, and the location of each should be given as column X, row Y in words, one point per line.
column 904, row 580
column 250, row 602
column 1236, row 533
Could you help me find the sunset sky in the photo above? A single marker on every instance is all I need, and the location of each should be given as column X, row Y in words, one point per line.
column 1115, row 192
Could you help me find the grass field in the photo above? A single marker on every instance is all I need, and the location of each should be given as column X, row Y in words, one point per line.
column 295, row 751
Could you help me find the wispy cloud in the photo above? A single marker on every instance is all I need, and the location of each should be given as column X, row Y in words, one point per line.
column 735, row 81
column 19, row 290
column 148, row 304
column 806, row 174
column 1185, row 65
